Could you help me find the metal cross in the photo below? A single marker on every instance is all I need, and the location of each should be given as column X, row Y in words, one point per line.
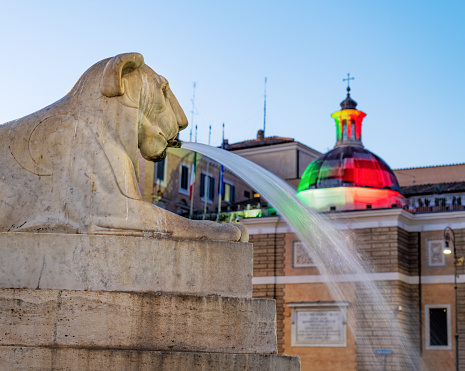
column 348, row 80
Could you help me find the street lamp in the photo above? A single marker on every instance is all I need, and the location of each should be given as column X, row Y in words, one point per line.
column 450, row 236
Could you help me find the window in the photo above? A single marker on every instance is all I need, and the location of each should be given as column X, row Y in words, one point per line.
column 438, row 326
column 161, row 170
column 247, row 194
column 229, row 193
column 207, row 186
column 211, row 188
column 319, row 324
column 184, row 184
column 159, row 176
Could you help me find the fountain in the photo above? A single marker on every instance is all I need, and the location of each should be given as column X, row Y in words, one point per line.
column 94, row 278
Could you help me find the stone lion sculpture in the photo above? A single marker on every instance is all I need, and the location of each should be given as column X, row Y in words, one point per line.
column 72, row 167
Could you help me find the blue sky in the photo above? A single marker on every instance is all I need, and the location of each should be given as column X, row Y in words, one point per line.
column 407, row 58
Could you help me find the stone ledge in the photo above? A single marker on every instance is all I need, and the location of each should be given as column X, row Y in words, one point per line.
column 122, row 263
column 87, row 319
column 69, row 359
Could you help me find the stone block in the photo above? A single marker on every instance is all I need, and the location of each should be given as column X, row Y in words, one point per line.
column 122, row 263
column 116, row 320
column 68, row 359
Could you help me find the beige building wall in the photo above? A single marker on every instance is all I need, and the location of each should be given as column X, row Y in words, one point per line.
column 287, row 160
column 442, row 294
column 391, row 240
column 318, row 357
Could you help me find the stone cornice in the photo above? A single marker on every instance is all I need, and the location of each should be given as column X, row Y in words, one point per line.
column 377, row 218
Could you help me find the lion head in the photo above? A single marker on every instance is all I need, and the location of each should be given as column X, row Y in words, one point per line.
column 160, row 117
column 133, row 92
column 125, row 104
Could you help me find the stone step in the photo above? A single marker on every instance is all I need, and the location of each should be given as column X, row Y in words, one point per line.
column 121, row 263
column 118, row 320
column 69, row 359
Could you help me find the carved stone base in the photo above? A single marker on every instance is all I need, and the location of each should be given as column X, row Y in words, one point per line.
column 117, row 320
column 47, row 359
column 89, row 302
column 123, row 263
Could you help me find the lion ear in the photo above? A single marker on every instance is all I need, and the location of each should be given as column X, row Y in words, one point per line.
column 116, row 67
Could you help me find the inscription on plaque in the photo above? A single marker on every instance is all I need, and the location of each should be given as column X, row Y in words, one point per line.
column 319, row 327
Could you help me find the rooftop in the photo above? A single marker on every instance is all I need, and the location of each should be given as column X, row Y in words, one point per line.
column 260, row 141
column 438, row 188
column 429, row 167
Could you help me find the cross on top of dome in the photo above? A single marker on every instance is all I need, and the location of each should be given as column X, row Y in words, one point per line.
column 348, row 81
column 348, row 103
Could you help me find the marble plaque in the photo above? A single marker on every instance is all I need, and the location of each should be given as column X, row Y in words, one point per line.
column 301, row 258
column 436, row 257
column 319, row 327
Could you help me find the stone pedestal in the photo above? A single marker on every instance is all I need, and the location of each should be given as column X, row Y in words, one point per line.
column 89, row 302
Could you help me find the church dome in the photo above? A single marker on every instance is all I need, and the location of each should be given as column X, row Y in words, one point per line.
column 348, row 166
column 349, row 177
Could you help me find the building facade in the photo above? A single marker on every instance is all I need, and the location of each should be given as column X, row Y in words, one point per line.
column 402, row 238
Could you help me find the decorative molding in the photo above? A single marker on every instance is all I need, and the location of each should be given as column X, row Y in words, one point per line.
column 266, row 225
column 370, row 219
column 390, row 276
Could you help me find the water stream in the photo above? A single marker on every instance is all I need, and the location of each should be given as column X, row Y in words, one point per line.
column 340, row 264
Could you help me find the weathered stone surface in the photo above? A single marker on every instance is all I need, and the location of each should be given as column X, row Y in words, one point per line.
column 73, row 166
column 120, row 263
column 66, row 359
column 117, row 320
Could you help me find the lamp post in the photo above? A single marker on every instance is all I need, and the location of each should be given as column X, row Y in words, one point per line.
column 450, row 236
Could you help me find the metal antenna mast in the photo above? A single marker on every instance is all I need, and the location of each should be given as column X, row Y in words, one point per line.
column 264, row 112
column 192, row 112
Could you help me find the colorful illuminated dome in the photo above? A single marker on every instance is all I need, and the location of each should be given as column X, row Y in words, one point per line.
column 349, row 176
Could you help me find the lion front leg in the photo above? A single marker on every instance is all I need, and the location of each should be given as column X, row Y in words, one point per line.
column 211, row 230
column 137, row 217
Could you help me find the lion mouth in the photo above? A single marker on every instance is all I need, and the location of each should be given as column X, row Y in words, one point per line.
column 174, row 143
column 159, row 157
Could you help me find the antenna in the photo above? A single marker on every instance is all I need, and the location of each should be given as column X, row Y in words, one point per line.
column 193, row 109
column 264, row 112
column 209, row 134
